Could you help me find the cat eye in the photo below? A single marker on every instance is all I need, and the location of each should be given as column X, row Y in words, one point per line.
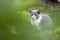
column 31, row 14
column 38, row 11
column 35, row 14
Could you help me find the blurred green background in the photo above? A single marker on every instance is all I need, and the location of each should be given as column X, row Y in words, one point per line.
column 15, row 23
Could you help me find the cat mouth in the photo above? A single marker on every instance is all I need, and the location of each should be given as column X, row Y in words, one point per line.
column 33, row 18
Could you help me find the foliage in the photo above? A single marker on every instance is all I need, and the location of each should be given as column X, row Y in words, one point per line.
column 15, row 23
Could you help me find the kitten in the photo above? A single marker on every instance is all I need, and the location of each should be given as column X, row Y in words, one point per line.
column 39, row 20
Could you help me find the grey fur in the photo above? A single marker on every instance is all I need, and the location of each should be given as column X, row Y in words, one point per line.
column 42, row 20
column 34, row 12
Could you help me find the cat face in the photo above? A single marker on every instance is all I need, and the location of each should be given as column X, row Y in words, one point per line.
column 34, row 14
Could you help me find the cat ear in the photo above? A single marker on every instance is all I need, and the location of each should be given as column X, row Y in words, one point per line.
column 30, row 10
column 38, row 11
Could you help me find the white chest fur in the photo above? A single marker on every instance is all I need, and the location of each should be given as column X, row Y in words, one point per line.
column 43, row 19
column 37, row 21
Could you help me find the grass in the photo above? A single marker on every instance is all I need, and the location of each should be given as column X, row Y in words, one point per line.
column 15, row 24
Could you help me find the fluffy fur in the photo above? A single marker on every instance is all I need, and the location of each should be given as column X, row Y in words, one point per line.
column 39, row 20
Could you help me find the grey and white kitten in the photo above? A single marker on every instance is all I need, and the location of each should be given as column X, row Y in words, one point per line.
column 39, row 20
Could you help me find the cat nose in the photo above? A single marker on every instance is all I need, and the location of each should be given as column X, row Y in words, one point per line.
column 34, row 17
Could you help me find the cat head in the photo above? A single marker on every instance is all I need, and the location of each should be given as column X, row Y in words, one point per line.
column 34, row 14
